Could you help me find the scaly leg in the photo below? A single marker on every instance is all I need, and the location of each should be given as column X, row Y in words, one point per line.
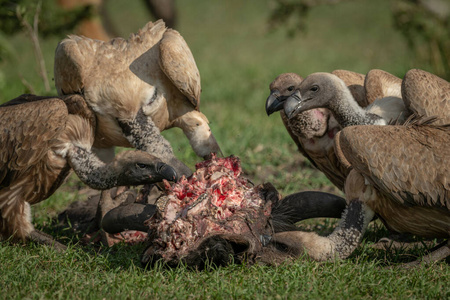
column 441, row 251
column 45, row 239
column 16, row 222
column 340, row 243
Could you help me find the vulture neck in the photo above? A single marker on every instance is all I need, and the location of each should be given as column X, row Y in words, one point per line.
column 144, row 135
column 92, row 171
column 348, row 112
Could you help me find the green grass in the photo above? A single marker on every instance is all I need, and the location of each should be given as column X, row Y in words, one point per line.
column 238, row 56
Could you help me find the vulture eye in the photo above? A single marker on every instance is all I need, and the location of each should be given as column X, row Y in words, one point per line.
column 315, row 88
column 141, row 166
column 291, row 88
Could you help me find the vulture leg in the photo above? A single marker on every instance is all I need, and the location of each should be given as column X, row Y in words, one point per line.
column 144, row 135
column 400, row 242
column 45, row 239
column 15, row 217
column 339, row 244
column 306, row 205
column 440, row 252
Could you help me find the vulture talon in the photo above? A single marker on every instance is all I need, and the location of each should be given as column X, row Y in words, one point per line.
column 45, row 239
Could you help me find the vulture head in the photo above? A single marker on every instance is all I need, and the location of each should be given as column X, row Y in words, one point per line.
column 308, row 124
column 317, row 90
column 138, row 167
column 152, row 72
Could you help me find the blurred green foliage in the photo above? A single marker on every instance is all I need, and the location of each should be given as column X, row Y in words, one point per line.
column 425, row 25
column 53, row 20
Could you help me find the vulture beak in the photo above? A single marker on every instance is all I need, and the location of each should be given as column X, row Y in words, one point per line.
column 167, row 172
column 293, row 104
column 274, row 102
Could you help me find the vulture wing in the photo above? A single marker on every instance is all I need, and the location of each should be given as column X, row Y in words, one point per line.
column 409, row 164
column 379, row 84
column 427, row 95
column 74, row 57
column 178, row 64
column 27, row 132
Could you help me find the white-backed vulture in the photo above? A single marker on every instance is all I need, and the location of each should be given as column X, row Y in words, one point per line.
column 42, row 140
column 399, row 172
column 313, row 130
column 137, row 88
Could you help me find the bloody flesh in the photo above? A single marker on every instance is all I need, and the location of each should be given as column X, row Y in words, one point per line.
column 215, row 200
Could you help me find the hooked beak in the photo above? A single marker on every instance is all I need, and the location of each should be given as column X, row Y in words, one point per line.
column 293, row 104
column 167, row 172
column 274, row 102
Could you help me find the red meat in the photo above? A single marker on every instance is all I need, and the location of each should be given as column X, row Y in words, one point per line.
column 215, row 201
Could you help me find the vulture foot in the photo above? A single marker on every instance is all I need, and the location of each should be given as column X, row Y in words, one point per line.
column 400, row 242
column 438, row 253
column 45, row 239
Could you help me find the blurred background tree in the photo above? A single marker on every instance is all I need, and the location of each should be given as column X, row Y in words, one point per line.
column 425, row 25
column 53, row 19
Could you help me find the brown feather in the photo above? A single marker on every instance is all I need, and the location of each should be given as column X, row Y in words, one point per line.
column 427, row 95
column 179, row 65
column 407, row 168
column 379, row 84
column 32, row 130
column 421, row 149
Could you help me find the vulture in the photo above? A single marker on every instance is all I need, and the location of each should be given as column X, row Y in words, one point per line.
column 398, row 172
column 313, row 130
column 326, row 90
column 43, row 139
column 137, row 88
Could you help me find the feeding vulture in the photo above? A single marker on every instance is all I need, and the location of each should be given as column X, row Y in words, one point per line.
column 137, row 88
